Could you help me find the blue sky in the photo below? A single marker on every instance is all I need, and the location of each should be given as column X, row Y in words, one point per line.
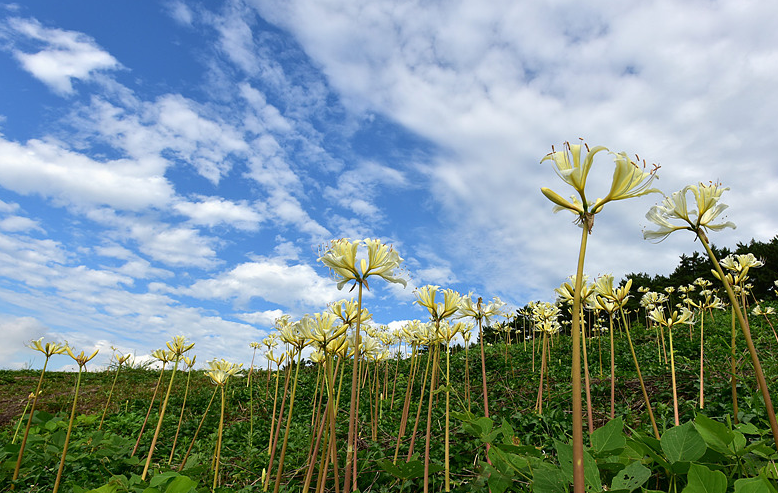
column 173, row 167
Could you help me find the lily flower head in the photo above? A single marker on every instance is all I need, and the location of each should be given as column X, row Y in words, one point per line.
column 179, row 346
column 629, row 180
column 572, row 166
column 346, row 311
column 425, row 296
column 81, row 359
column 163, row 355
column 220, row 370
column 381, row 260
column 479, row 310
column 758, row 310
column 698, row 221
column 323, row 329
column 49, row 349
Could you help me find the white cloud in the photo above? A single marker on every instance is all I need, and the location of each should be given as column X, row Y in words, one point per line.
column 71, row 178
column 213, row 211
column 495, row 87
column 18, row 331
column 296, row 286
column 175, row 246
column 356, row 189
column 19, row 223
column 66, row 55
column 180, row 12
column 264, row 319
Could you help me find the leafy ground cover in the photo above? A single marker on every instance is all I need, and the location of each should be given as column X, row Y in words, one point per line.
column 712, row 450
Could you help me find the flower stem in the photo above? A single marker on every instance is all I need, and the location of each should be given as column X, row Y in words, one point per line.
column 672, row 375
column 29, row 421
column 67, row 435
column 219, row 442
column 579, row 485
column 760, row 378
column 159, row 422
column 351, row 449
column 110, row 393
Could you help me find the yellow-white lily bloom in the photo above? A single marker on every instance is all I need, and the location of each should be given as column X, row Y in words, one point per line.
column 629, row 180
column 81, row 359
column 220, row 370
column 163, row 355
column 571, row 168
column 49, row 349
column 675, row 208
column 346, row 311
column 341, row 258
column 425, row 296
column 479, row 310
column 324, row 330
column 179, row 346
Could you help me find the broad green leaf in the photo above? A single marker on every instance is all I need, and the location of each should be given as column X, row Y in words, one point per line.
column 631, row 477
column 106, row 488
column 747, row 428
column 507, row 432
column 591, row 472
column 162, row 477
column 738, row 443
column 407, row 470
column 703, row 480
column 759, row 484
column 58, row 438
column 505, row 461
column 717, row 435
column 497, row 481
column 683, row 443
column 548, row 479
column 609, row 437
column 181, row 484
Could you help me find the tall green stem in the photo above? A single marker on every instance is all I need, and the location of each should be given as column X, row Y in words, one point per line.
column 702, row 359
column 110, row 393
column 433, row 382
column 579, row 484
column 67, row 435
column 351, row 447
column 749, row 341
column 672, row 375
column 219, row 443
column 180, row 417
column 288, row 424
column 29, row 421
column 733, row 365
column 197, row 432
column 159, row 422
column 148, row 412
column 613, row 369
column 640, row 375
